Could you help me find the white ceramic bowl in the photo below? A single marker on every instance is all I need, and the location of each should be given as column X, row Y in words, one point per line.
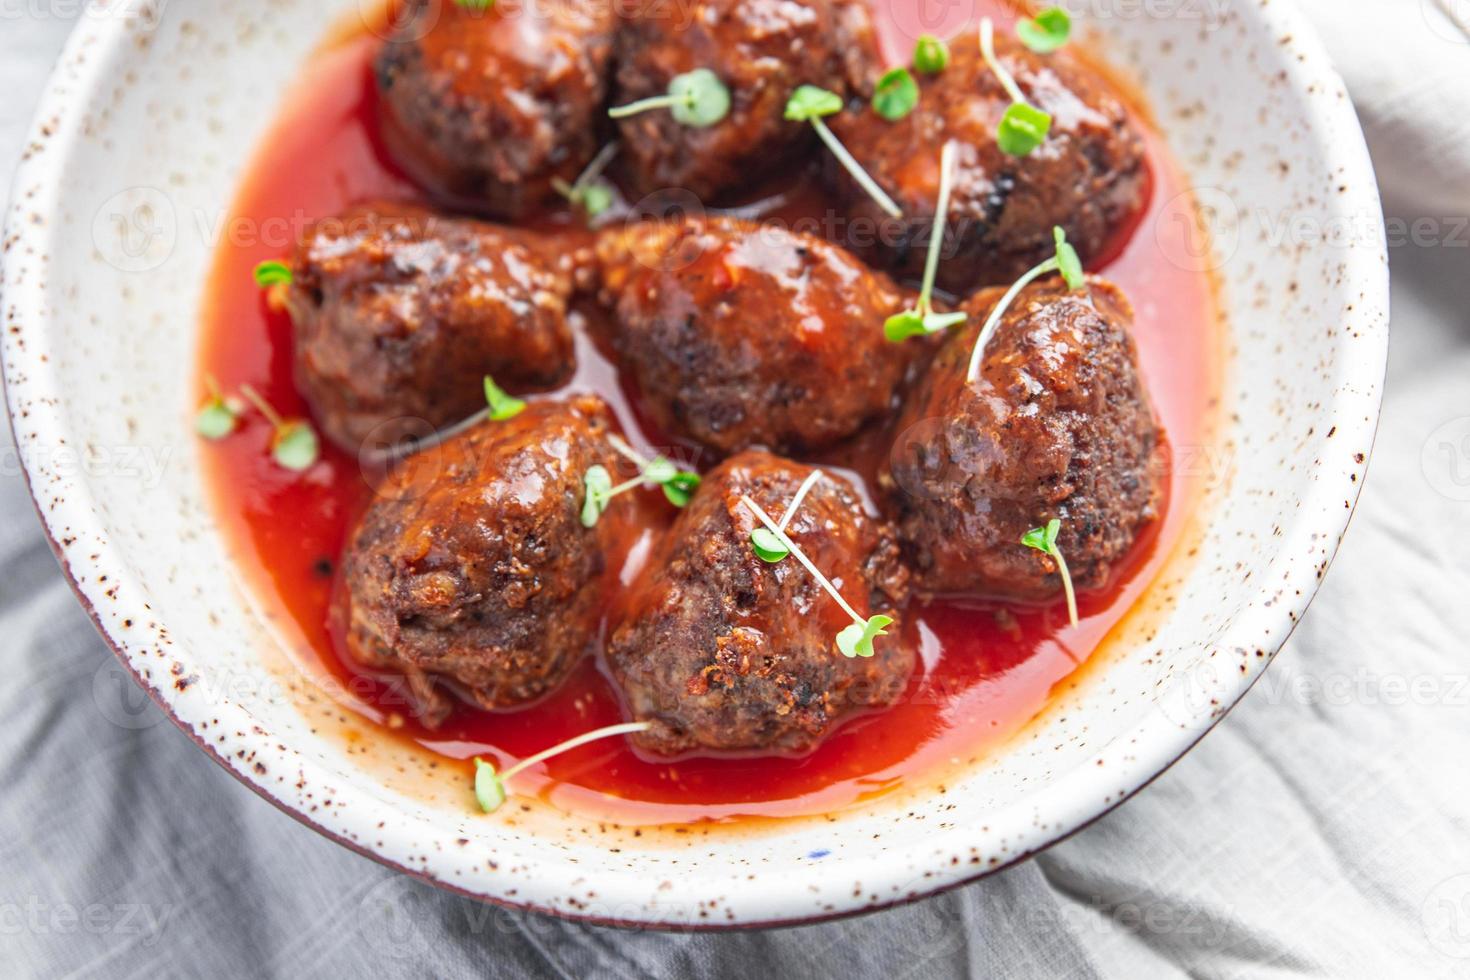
column 137, row 149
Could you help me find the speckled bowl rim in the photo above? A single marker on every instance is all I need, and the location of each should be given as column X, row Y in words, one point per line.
column 1069, row 804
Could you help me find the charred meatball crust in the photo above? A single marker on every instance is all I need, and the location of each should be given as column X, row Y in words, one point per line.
column 487, row 106
column 1089, row 177
column 762, row 50
column 744, row 335
column 1059, row 425
column 725, row 653
column 399, row 314
column 471, row 569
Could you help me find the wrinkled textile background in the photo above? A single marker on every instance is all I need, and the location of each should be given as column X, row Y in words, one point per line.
column 1323, row 829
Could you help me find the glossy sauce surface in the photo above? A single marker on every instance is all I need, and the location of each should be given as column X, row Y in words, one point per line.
column 986, row 669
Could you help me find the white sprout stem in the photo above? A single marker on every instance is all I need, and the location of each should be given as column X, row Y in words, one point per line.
column 653, row 102
column 263, row 406
column 851, row 165
column 993, row 321
column 627, row 451
column 626, row 728
column 941, row 215
column 801, row 493
column 596, row 167
column 1056, row 554
column 987, row 49
column 637, row 481
column 791, row 546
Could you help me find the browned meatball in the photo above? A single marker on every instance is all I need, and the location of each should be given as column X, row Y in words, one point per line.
column 400, row 313
column 1089, row 177
column 487, row 106
column 749, row 335
column 725, row 653
column 1058, row 426
column 762, row 50
column 471, row 569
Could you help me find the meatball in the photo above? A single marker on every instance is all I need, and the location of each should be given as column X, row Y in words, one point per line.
column 744, row 335
column 1058, row 426
column 762, row 50
column 472, row 570
column 399, row 314
column 1089, row 177
column 486, row 106
column 725, row 653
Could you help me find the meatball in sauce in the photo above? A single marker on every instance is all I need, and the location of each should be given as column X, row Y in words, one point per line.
column 471, row 570
column 400, row 313
column 1089, row 176
column 761, row 50
column 486, row 105
column 723, row 652
column 1058, row 425
column 743, row 335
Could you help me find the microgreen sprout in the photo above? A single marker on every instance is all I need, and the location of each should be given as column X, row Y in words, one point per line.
column 490, row 786
column 1065, row 261
column 272, row 273
column 590, row 191
column 501, row 405
column 1048, row 31
column 767, row 546
column 931, row 55
column 896, row 94
column 678, row 485
column 852, row 641
column 809, row 104
column 475, row 4
column 922, row 319
column 218, row 416
column 294, row 444
column 1044, row 540
column 696, row 98
column 1023, row 127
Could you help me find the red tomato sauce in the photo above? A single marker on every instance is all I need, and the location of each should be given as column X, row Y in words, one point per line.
column 985, row 668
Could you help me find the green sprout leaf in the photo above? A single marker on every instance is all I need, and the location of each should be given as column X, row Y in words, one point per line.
column 216, row 419
column 857, row 639
column 597, row 485
column 896, row 94
column 931, row 55
column 295, row 446
column 660, row 471
column 767, row 547
column 1044, row 540
column 696, row 98
column 1048, row 31
column 703, row 98
column 489, row 788
column 1068, row 264
column 679, row 488
column 596, row 198
column 502, row 406
column 272, row 273
column 809, row 102
column 1022, row 129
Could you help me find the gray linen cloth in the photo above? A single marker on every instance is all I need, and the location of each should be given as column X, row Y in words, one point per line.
column 1323, row 829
